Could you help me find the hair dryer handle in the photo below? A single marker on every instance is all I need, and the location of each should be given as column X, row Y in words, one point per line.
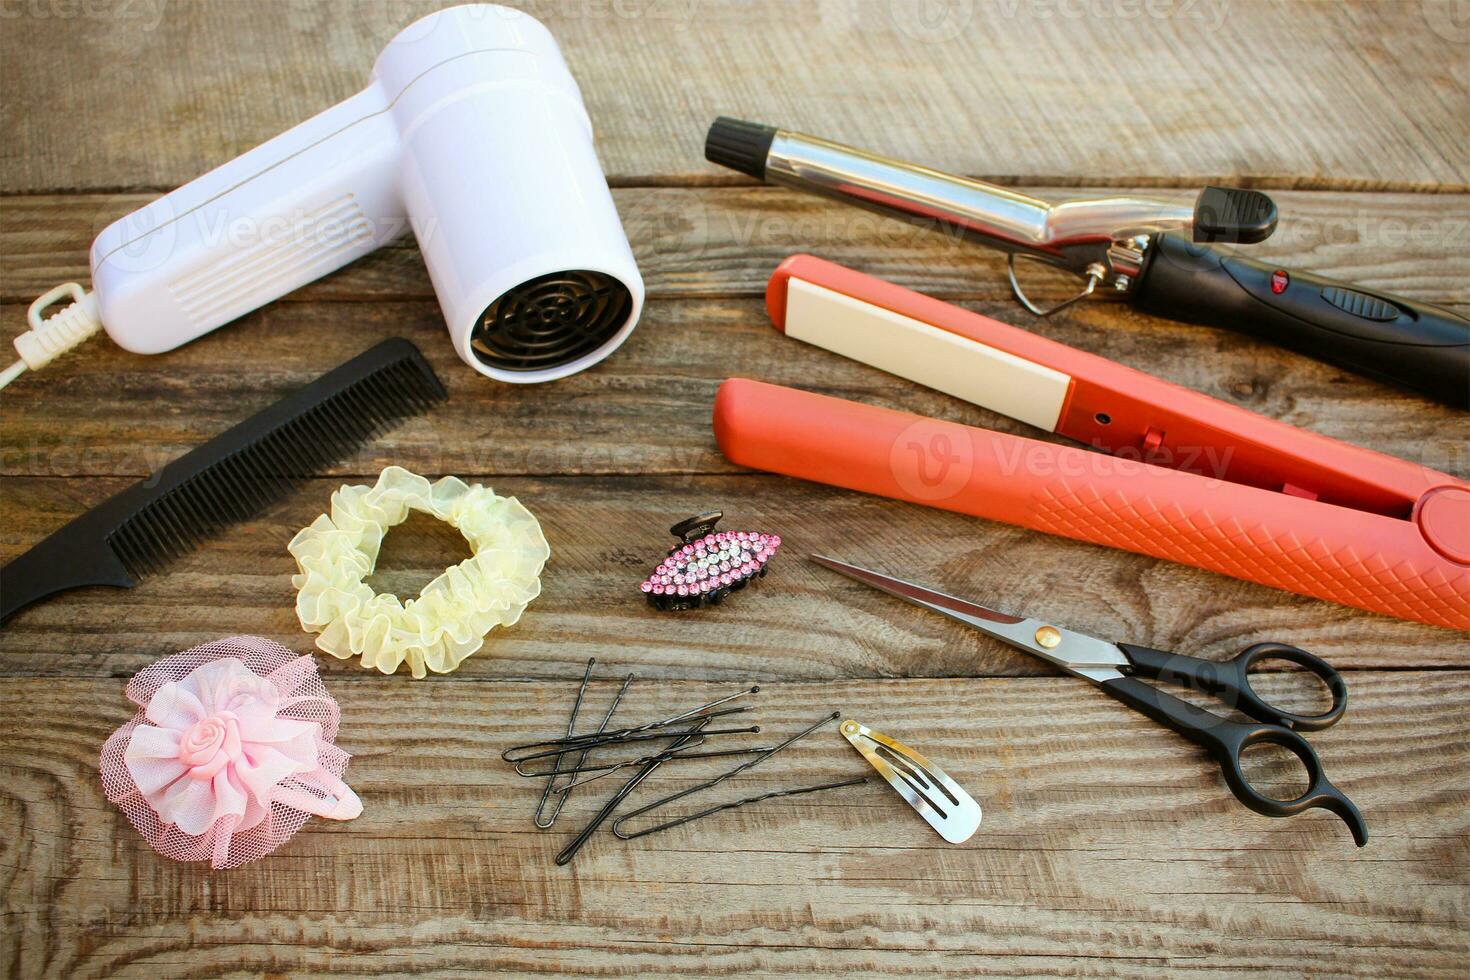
column 273, row 219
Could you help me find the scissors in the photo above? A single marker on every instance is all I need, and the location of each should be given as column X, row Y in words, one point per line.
column 1118, row 668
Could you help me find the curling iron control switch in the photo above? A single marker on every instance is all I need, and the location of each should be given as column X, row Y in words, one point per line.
column 1233, row 214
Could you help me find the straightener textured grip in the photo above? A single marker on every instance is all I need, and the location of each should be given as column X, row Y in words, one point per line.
column 1370, row 561
column 228, row 479
column 936, row 358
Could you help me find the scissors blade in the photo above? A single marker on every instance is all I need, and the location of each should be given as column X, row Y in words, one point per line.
column 1077, row 653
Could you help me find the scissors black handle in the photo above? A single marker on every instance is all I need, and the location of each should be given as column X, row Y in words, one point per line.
column 1226, row 740
column 1229, row 681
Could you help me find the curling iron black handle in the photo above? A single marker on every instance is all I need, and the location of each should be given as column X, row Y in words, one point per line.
column 1380, row 335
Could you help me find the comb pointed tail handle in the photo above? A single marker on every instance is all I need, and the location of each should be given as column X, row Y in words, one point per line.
column 58, row 564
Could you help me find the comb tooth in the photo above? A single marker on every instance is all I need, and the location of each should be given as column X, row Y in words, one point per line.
column 293, row 461
column 331, row 441
column 263, row 487
column 172, row 526
column 247, row 498
column 150, row 545
column 183, row 512
column 262, row 463
column 208, row 515
column 238, row 475
column 293, row 441
column 258, row 466
column 280, row 469
column 400, row 396
column 127, row 550
column 191, row 503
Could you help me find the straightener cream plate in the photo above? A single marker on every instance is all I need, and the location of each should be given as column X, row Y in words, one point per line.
column 1188, row 478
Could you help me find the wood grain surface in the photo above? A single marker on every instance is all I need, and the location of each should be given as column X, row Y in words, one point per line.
column 1109, row 845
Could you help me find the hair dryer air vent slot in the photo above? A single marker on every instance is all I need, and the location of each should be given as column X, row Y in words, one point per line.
column 551, row 320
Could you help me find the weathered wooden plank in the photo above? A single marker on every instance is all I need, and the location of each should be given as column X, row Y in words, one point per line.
column 801, row 622
column 723, row 241
column 103, row 411
column 1109, row 845
column 1014, row 89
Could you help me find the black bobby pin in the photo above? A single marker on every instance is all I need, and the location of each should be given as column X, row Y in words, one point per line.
column 774, row 794
column 565, row 791
column 542, row 820
column 570, row 851
column 711, row 783
column 607, row 769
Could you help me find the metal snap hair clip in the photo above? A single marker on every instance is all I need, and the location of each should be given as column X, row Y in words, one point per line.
column 617, row 827
column 928, row 789
column 707, row 565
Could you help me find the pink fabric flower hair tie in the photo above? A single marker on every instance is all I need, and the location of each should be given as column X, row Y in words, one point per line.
column 231, row 752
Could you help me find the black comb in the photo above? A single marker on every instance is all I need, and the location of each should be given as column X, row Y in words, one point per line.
column 228, row 479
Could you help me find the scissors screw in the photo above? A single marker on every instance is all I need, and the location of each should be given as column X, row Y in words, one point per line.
column 1048, row 636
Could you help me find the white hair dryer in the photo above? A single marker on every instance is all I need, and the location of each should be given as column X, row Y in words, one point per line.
column 472, row 132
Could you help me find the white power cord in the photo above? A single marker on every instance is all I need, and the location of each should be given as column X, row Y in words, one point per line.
column 49, row 339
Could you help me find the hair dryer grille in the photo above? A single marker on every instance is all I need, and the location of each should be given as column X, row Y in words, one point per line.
column 551, row 320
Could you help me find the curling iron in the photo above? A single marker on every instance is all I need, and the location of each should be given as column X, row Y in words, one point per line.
column 1154, row 254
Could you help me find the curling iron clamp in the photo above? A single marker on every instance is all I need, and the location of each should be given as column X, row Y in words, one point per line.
column 1180, row 475
column 1152, row 253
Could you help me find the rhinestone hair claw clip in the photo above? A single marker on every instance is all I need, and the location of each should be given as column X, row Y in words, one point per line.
column 707, row 565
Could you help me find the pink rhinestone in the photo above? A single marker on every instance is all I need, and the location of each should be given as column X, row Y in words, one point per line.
column 658, row 590
column 683, row 590
column 775, row 540
column 724, row 566
column 742, row 535
column 663, row 580
column 646, row 586
column 688, row 549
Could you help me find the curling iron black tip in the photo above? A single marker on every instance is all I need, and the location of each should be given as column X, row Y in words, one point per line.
column 739, row 145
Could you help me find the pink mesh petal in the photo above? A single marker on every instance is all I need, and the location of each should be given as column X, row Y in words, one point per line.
column 174, row 708
column 230, row 753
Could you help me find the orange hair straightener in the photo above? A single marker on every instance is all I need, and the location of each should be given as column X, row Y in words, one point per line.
column 1180, row 475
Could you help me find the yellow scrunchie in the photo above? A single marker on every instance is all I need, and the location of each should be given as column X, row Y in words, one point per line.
column 450, row 618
